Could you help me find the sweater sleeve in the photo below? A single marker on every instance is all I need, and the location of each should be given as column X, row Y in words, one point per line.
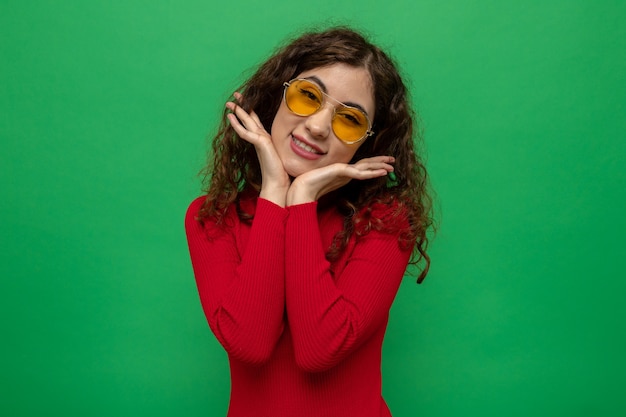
column 242, row 294
column 330, row 316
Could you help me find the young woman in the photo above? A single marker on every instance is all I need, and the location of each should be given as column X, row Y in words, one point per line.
column 316, row 199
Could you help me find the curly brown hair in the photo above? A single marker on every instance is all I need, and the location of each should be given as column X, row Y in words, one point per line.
column 234, row 165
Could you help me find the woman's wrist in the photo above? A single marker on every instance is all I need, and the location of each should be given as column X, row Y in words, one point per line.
column 299, row 193
column 275, row 193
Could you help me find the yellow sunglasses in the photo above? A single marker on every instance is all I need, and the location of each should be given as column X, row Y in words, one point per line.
column 304, row 98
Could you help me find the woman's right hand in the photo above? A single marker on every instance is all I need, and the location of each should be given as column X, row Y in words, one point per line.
column 275, row 181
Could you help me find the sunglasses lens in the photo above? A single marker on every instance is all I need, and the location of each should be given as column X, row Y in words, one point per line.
column 303, row 97
column 350, row 124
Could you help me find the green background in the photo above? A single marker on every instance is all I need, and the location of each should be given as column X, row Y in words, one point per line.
column 105, row 107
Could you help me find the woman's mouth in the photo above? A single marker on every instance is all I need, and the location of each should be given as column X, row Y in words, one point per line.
column 304, row 150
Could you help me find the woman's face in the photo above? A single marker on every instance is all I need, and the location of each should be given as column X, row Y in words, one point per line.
column 304, row 143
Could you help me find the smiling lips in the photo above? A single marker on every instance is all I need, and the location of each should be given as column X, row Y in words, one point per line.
column 305, row 150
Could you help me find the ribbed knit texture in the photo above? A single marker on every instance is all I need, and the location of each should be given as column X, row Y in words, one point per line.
column 303, row 335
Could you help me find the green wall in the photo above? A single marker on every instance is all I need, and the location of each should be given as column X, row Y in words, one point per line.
column 104, row 111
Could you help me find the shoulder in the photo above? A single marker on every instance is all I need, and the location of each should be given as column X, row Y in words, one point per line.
column 195, row 205
column 389, row 211
column 199, row 224
column 193, row 211
column 388, row 216
column 200, row 212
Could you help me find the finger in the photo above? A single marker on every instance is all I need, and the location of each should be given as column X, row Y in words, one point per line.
column 255, row 135
column 371, row 172
column 255, row 117
column 387, row 159
column 239, row 98
column 369, row 166
column 243, row 117
column 360, row 173
column 239, row 128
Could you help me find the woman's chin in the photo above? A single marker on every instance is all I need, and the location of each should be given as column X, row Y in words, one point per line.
column 295, row 170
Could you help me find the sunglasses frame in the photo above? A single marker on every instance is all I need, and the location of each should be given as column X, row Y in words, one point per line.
column 367, row 134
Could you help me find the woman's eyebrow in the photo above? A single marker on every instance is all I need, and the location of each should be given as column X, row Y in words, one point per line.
column 319, row 82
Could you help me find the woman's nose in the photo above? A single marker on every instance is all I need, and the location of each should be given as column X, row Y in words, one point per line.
column 319, row 123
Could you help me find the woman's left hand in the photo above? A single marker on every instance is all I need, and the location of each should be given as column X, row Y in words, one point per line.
column 313, row 184
column 275, row 181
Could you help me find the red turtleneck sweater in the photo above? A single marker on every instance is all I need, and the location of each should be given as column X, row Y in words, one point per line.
column 303, row 335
